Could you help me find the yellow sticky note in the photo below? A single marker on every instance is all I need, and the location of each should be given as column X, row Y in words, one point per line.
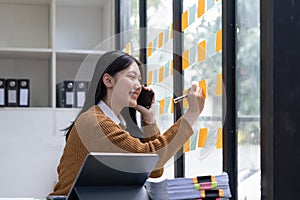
column 201, row 51
column 160, row 39
column 203, row 132
column 202, row 192
column 186, row 146
column 202, row 85
column 161, row 106
column 184, row 18
column 149, row 52
column 172, row 105
column 219, row 143
column 195, row 180
column 149, row 78
column 213, row 179
column 161, row 74
column 185, row 103
column 185, row 59
column 201, row 7
column 184, row 92
column 219, row 41
column 219, row 85
column 221, row 193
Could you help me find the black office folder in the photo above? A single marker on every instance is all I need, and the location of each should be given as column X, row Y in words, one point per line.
column 11, row 93
column 23, row 92
column 65, row 94
column 2, row 92
column 81, row 88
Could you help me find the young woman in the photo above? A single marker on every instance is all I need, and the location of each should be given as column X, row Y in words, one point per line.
column 100, row 126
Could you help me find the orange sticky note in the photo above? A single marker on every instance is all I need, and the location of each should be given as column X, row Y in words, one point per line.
column 184, row 18
column 203, row 132
column 161, row 106
column 171, row 31
column 219, row 41
column 202, row 85
column 161, row 74
column 219, row 85
column 219, row 144
column 149, row 78
column 195, row 180
column 201, row 51
column 186, row 146
column 128, row 48
column 184, row 92
column 201, row 7
column 185, row 103
column 149, row 52
column 185, row 59
column 160, row 39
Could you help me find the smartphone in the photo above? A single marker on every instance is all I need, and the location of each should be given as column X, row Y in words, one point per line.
column 145, row 98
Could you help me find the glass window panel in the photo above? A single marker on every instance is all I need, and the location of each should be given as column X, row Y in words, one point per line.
column 129, row 34
column 248, row 98
column 202, row 62
column 159, row 65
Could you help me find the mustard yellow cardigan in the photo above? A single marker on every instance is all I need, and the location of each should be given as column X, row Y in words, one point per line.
column 95, row 132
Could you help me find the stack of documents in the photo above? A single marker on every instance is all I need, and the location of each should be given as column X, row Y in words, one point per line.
column 202, row 187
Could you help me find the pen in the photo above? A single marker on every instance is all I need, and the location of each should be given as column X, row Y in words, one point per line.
column 180, row 98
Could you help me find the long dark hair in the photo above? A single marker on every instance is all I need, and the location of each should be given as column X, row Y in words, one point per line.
column 111, row 63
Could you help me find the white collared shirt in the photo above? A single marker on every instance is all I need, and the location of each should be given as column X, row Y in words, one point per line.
column 110, row 113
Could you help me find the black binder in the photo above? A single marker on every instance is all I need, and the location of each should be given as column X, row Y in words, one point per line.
column 11, row 92
column 2, row 92
column 65, row 94
column 23, row 92
column 81, row 88
column 113, row 176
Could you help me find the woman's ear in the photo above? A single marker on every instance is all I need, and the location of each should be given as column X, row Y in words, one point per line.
column 108, row 80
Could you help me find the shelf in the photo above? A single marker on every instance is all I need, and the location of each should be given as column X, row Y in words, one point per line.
column 28, row 2
column 36, row 70
column 37, row 53
column 24, row 24
column 79, row 54
column 76, row 64
column 75, row 69
column 80, row 3
column 78, row 27
column 42, row 109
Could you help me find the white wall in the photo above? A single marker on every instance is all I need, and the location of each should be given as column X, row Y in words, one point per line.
column 30, row 148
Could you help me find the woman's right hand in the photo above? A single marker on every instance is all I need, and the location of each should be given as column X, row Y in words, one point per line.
column 196, row 103
column 148, row 115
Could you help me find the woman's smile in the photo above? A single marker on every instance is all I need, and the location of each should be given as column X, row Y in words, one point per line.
column 134, row 94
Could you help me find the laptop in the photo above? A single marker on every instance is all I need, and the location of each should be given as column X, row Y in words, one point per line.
column 113, row 176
